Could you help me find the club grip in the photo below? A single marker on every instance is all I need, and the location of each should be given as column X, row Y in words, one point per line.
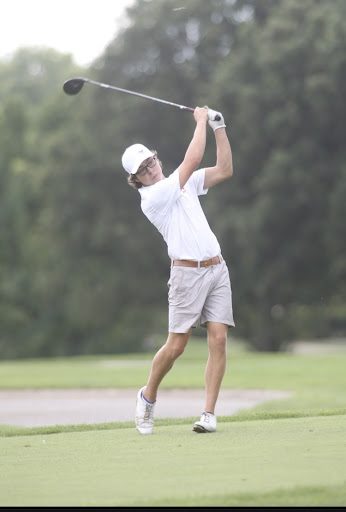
column 216, row 118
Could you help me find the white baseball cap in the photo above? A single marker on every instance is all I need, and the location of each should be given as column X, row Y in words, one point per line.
column 134, row 156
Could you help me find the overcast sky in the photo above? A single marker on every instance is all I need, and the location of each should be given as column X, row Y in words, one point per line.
column 80, row 27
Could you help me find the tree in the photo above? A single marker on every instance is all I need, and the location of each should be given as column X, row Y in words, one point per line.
column 29, row 81
column 83, row 269
column 95, row 221
column 286, row 108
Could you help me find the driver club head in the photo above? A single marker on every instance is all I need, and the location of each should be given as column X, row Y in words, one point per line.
column 73, row 86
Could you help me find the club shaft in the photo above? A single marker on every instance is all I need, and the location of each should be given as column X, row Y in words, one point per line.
column 107, row 86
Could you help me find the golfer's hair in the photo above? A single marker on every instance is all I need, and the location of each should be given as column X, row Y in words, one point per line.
column 133, row 181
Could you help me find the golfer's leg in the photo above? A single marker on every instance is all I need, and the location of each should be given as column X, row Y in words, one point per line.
column 216, row 364
column 164, row 360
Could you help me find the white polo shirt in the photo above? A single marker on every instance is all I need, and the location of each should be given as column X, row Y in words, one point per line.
column 178, row 215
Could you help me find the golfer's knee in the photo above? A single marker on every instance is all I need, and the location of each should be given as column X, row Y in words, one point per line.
column 176, row 345
column 176, row 349
column 176, row 352
column 218, row 342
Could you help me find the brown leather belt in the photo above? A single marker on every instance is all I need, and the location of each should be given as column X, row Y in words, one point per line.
column 190, row 263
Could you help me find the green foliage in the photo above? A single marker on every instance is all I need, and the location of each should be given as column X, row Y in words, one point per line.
column 82, row 270
column 286, row 108
column 34, row 74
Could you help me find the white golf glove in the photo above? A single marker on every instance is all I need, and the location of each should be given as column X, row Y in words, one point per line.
column 215, row 125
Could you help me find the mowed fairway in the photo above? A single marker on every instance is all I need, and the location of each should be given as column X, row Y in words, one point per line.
column 299, row 461
column 284, row 452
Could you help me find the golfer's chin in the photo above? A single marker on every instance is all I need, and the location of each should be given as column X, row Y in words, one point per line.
column 156, row 178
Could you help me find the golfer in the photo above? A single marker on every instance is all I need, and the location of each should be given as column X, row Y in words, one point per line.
column 199, row 284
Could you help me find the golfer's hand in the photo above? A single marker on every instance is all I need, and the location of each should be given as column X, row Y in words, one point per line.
column 201, row 114
column 215, row 125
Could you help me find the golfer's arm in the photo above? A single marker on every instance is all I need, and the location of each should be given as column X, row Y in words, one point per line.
column 194, row 153
column 223, row 169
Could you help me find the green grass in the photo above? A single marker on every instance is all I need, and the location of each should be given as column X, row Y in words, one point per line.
column 317, row 381
column 267, row 462
column 287, row 452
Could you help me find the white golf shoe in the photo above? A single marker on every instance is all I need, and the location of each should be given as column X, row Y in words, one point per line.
column 207, row 423
column 144, row 414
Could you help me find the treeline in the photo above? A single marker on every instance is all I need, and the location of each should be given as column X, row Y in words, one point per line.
column 82, row 270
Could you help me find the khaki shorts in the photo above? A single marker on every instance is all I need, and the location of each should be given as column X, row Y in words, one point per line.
column 199, row 294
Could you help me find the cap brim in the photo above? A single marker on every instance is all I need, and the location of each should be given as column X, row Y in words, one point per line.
column 139, row 160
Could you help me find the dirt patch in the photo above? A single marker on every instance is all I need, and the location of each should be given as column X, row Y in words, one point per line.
column 31, row 408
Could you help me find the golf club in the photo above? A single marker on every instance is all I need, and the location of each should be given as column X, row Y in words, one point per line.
column 74, row 86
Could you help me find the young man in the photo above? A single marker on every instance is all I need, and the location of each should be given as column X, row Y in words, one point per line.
column 199, row 284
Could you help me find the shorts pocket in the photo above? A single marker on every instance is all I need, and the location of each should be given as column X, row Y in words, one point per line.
column 175, row 283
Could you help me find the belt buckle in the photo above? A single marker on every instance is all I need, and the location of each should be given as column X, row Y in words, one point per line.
column 209, row 263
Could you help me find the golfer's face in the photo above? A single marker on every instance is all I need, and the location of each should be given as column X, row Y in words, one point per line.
column 149, row 172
